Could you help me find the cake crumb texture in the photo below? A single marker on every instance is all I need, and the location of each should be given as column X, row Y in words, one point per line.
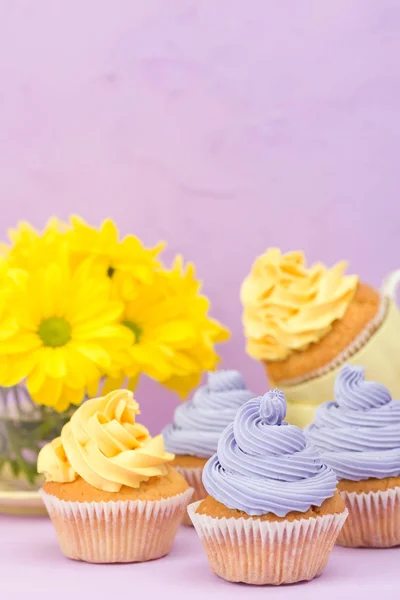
column 369, row 485
column 211, row 507
column 361, row 311
column 155, row 488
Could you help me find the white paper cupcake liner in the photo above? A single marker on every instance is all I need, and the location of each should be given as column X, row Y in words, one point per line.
column 193, row 476
column 121, row 531
column 374, row 519
column 262, row 552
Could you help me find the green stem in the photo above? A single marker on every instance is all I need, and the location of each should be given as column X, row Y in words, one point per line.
column 25, row 431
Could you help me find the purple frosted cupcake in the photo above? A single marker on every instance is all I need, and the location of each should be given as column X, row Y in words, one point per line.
column 358, row 436
column 273, row 512
column 198, row 423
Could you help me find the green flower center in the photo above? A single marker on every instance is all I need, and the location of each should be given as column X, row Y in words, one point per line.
column 136, row 330
column 54, row 332
column 110, row 272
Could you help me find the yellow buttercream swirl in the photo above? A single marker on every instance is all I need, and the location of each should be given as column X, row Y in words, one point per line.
column 104, row 445
column 288, row 306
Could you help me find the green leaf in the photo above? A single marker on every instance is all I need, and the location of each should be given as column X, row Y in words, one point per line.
column 15, row 468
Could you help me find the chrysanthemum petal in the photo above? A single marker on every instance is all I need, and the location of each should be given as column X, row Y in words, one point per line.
column 109, row 233
column 113, row 383
column 176, row 333
column 55, row 362
column 17, row 369
column 91, row 332
column 183, row 385
column 77, row 367
column 94, row 352
column 95, row 314
column 184, row 364
column 49, row 393
column 217, row 332
column 133, row 382
column 70, row 396
column 21, row 342
column 94, row 388
column 8, row 328
column 36, row 378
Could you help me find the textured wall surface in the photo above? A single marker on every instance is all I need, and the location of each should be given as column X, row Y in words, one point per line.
column 221, row 126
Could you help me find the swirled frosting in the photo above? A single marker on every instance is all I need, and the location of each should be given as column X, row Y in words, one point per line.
column 198, row 423
column 263, row 464
column 288, row 306
column 104, row 445
column 358, row 434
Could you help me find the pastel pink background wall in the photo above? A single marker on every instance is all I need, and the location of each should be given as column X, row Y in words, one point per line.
column 222, row 126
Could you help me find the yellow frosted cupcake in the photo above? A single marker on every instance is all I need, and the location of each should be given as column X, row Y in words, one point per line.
column 304, row 323
column 110, row 490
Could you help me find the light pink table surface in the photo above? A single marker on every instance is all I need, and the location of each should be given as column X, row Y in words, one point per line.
column 32, row 566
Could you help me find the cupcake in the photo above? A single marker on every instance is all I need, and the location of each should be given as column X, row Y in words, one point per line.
column 273, row 512
column 358, row 436
column 198, row 423
column 304, row 323
column 110, row 489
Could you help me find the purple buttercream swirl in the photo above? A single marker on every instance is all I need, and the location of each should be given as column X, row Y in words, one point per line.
column 358, row 434
column 273, row 407
column 264, row 465
column 199, row 422
column 354, row 393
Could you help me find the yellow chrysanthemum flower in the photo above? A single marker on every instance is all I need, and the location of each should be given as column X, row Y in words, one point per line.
column 31, row 249
column 127, row 262
column 67, row 333
column 172, row 335
column 78, row 305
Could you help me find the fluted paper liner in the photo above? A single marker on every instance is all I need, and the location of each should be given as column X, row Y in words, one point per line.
column 121, row 531
column 264, row 552
column 374, row 519
column 193, row 476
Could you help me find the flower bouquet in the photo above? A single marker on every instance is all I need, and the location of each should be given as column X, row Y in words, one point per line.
column 82, row 311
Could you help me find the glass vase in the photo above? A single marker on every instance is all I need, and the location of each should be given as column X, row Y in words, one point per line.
column 25, row 428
